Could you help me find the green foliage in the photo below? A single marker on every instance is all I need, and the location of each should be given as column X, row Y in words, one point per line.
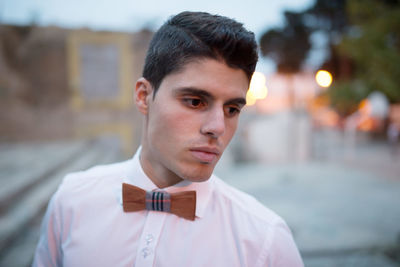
column 328, row 16
column 364, row 42
column 373, row 43
column 287, row 46
column 345, row 96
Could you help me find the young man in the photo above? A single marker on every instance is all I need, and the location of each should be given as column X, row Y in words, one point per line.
column 164, row 207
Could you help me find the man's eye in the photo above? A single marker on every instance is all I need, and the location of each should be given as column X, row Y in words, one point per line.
column 194, row 102
column 232, row 111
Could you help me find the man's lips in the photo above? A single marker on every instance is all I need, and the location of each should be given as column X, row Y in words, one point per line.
column 205, row 154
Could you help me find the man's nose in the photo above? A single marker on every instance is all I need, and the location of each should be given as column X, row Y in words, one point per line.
column 214, row 123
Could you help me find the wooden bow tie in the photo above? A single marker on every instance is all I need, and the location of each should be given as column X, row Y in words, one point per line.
column 182, row 204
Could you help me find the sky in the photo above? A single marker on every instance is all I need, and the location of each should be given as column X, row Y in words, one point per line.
column 132, row 15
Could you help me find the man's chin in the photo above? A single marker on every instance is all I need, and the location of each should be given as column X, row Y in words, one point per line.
column 196, row 171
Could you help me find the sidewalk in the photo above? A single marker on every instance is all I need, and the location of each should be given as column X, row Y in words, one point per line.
column 332, row 210
column 30, row 173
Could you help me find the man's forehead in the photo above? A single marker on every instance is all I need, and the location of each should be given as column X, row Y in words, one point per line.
column 206, row 77
column 210, row 67
column 193, row 62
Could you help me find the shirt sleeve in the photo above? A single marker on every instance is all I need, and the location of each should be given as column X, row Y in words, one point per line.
column 280, row 249
column 48, row 251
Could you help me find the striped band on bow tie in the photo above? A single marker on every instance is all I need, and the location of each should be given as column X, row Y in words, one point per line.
column 160, row 201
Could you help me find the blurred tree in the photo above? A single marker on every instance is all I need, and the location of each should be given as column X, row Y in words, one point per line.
column 330, row 18
column 327, row 16
column 287, row 46
column 373, row 43
column 345, row 96
column 363, row 39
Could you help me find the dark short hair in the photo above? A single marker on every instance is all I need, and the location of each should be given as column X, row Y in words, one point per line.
column 192, row 35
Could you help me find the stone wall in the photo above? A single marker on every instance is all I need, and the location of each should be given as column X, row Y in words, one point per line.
column 35, row 83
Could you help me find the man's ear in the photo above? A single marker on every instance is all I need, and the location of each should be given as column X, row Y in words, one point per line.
column 143, row 94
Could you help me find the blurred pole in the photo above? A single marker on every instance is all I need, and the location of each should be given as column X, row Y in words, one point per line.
column 350, row 131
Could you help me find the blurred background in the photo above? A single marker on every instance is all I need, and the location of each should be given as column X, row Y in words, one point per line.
column 318, row 141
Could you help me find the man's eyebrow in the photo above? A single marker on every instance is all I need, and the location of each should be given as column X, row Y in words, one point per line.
column 193, row 91
column 205, row 94
column 238, row 101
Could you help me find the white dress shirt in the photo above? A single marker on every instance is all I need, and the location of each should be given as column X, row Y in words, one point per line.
column 85, row 225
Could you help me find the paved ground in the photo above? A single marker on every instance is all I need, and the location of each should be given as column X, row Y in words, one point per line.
column 29, row 174
column 340, row 216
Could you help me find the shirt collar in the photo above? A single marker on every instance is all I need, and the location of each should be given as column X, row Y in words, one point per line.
column 137, row 177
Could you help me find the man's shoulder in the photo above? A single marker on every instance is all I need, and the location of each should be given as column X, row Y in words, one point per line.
column 245, row 205
column 260, row 228
column 93, row 178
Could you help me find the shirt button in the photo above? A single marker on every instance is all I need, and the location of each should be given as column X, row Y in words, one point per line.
column 149, row 239
column 146, row 252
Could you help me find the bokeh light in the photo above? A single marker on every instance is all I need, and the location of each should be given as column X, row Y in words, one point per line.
column 365, row 107
column 250, row 98
column 323, row 78
column 257, row 89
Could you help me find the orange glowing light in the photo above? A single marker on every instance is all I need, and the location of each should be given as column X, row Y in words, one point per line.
column 367, row 125
column 365, row 107
column 250, row 98
column 366, row 122
column 257, row 89
column 323, row 78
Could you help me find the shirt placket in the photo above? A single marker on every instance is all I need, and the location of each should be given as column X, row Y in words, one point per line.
column 145, row 255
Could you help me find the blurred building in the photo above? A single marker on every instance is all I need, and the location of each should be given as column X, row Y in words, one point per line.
column 60, row 83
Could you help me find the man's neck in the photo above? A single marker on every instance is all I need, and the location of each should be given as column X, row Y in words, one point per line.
column 157, row 175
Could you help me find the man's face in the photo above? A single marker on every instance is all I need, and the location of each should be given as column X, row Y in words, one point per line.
column 191, row 120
